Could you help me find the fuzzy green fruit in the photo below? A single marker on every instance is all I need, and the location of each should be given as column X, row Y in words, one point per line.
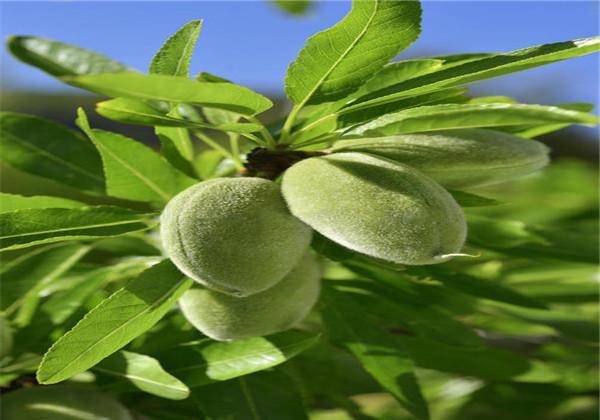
column 61, row 402
column 377, row 207
column 224, row 317
column 459, row 158
column 234, row 235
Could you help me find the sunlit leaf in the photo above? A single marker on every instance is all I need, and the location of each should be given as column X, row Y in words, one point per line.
column 112, row 324
column 336, row 61
column 24, row 228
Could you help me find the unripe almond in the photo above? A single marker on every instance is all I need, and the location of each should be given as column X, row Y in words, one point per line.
column 61, row 402
column 225, row 317
column 459, row 158
column 376, row 206
column 234, row 235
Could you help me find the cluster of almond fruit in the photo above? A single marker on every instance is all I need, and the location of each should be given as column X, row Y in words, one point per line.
column 246, row 240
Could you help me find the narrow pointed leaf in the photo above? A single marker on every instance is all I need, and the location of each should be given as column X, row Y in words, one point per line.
column 351, row 116
column 397, row 72
column 11, row 202
column 381, row 353
column 112, row 324
column 209, row 361
column 447, row 116
column 262, row 396
column 459, row 71
column 338, row 60
column 175, row 55
column 59, row 59
column 134, row 111
column 145, row 373
column 489, row 363
column 466, row 199
column 175, row 89
column 44, row 148
column 28, row 227
column 31, row 272
column 133, row 171
column 485, row 289
column 217, row 116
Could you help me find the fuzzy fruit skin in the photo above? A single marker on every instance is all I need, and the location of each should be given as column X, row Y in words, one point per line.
column 461, row 158
column 223, row 317
column 61, row 402
column 234, row 235
column 377, row 207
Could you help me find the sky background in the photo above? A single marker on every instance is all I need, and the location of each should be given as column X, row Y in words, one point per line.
column 252, row 42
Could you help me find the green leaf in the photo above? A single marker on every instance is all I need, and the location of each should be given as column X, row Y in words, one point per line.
column 461, row 69
column 214, row 115
column 175, row 89
column 116, row 321
column 145, row 373
column 28, row 227
column 207, row 163
column 49, row 150
column 350, row 115
column 446, row 116
column 11, row 202
column 338, row 60
column 538, row 130
column 483, row 288
column 575, row 242
column 64, row 303
column 486, row 363
column 175, row 55
column 59, row 59
column 133, row 171
column 381, row 354
column 413, row 311
column 569, row 324
column 135, row 111
column 295, row 7
column 28, row 274
column 262, row 396
column 209, row 361
column 397, row 72
column 466, row 199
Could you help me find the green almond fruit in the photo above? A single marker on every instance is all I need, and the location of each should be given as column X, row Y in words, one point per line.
column 61, row 402
column 377, row 207
column 461, row 158
column 224, row 317
column 235, row 235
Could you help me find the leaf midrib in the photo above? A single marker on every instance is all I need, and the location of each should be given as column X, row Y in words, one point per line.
column 141, row 379
column 55, row 158
column 155, row 304
column 342, row 56
column 162, row 194
column 41, row 232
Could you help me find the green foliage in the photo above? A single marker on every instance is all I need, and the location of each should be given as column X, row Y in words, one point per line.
column 60, row 59
column 506, row 329
column 174, row 89
column 49, row 150
column 60, row 402
column 114, row 323
column 336, row 61
column 241, row 219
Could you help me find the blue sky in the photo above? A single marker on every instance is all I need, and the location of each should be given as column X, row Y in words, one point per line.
column 251, row 42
